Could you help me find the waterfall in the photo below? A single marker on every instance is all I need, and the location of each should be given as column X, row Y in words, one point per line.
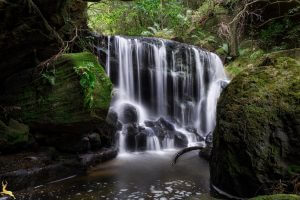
column 166, row 92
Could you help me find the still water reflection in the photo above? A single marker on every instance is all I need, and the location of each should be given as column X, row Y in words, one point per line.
column 147, row 175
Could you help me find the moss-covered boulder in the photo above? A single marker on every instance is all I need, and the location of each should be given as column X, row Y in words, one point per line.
column 62, row 102
column 13, row 136
column 257, row 136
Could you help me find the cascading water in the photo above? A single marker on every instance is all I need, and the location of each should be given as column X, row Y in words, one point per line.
column 165, row 92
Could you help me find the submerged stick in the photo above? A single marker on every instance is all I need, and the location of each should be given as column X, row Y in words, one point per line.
column 185, row 150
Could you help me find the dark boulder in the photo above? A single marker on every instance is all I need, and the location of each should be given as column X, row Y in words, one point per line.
column 128, row 114
column 195, row 132
column 130, row 131
column 95, row 141
column 112, row 118
column 257, row 139
column 206, row 151
column 141, row 140
column 180, row 140
column 165, row 124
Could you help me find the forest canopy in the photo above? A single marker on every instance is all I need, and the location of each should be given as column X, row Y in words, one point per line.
column 213, row 24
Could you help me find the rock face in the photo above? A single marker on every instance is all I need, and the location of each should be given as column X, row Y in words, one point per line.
column 28, row 31
column 65, row 102
column 257, row 138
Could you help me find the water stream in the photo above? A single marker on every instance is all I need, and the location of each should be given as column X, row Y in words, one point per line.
column 143, row 175
column 160, row 79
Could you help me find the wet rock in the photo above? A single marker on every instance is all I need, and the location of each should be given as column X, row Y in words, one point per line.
column 112, row 118
column 165, row 124
column 83, row 145
column 149, row 123
column 130, row 131
column 141, row 140
column 119, row 126
column 180, row 140
column 95, row 141
column 195, row 132
column 129, row 114
column 209, row 139
column 162, row 128
column 90, row 159
column 206, row 152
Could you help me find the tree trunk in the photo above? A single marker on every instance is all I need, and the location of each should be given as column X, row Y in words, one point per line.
column 234, row 41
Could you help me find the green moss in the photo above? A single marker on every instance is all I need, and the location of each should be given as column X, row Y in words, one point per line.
column 278, row 197
column 14, row 133
column 80, row 92
column 96, row 85
column 247, row 59
column 256, row 114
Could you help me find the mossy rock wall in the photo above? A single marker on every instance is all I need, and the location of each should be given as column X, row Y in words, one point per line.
column 53, row 101
column 257, row 136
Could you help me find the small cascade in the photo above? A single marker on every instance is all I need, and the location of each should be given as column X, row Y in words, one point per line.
column 122, row 144
column 165, row 92
column 168, row 143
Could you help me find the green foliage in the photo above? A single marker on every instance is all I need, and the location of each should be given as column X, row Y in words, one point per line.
column 281, row 34
column 113, row 17
column 156, row 31
column 135, row 18
column 87, row 82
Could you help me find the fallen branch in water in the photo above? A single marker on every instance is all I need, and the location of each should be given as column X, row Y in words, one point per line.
column 185, row 150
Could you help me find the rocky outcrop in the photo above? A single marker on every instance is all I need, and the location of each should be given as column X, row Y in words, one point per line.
column 257, row 138
column 64, row 102
column 33, row 30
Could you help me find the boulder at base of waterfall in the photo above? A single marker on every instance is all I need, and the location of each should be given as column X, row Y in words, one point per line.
column 195, row 132
column 130, row 131
column 112, row 119
column 180, row 140
column 165, row 124
column 256, row 143
column 141, row 140
column 161, row 127
column 129, row 114
column 62, row 102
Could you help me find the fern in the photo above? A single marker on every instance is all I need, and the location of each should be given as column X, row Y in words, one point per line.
column 87, row 82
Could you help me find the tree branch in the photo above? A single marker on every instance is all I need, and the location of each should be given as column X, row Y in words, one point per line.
column 269, row 20
column 185, row 150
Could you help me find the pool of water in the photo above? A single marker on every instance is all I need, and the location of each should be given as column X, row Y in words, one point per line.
column 147, row 175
